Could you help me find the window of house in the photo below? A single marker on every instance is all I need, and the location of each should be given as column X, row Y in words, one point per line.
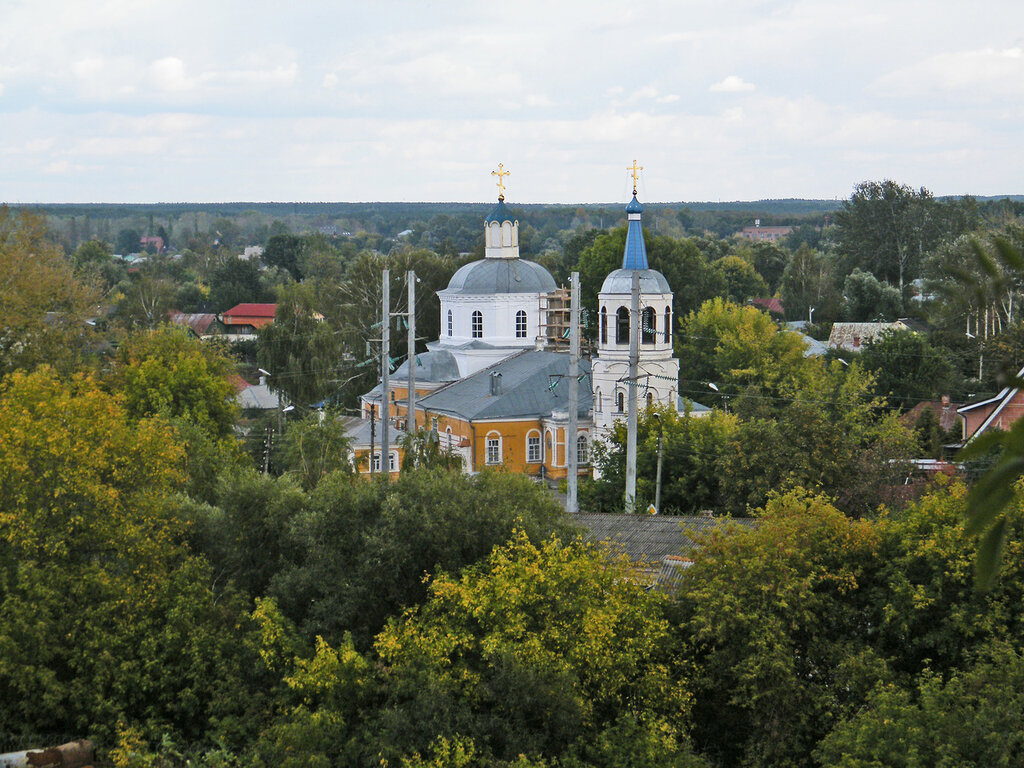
column 604, row 325
column 650, row 399
column 433, row 423
column 494, row 449
column 478, row 324
column 668, row 325
column 648, row 320
column 376, row 462
column 451, row 323
column 620, row 402
column 549, row 457
column 582, row 452
column 521, row 324
column 597, row 401
column 622, row 326
column 533, row 448
column 392, row 461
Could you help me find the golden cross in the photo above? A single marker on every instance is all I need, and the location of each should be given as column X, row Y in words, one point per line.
column 635, row 173
column 501, row 173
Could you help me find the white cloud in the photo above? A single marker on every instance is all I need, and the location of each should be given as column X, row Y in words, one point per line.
column 982, row 74
column 731, row 84
column 169, row 75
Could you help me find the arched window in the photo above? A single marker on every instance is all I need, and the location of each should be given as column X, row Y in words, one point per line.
column 493, row 448
column 582, row 452
column 622, row 326
column 648, row 329
column 521, row 324
column 478, row 324
column 668, row 325
column 604, row 325
column 548, row 456
column 620, row 402
column 494, row 237
column 597, row 400
column 533, row 447
column 451, row 323
column 506, row 233
column 650, row 398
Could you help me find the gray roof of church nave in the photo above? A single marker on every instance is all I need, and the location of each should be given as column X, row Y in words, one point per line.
column 436, row 365
column 526, row 390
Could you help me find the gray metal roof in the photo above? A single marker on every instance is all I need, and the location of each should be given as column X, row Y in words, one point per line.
column 526, row 389
column 490, row 276
column 358, row 431
column 438, row 365
column 652, row 538
column 257, row 396
column 621, row 281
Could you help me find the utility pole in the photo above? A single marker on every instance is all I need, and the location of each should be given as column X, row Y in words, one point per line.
column 373, row 435
column 657, row 481
column 634, row 364
column 574, row 365
column 410, row 420
column 385, row 373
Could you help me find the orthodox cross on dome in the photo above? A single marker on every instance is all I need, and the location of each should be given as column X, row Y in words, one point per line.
column 501, row 173
column 634, row 171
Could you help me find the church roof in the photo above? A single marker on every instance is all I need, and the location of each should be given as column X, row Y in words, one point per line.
column 634, row 255
column 437, row 365
column 621, row 281
column 525, row 389
column 491, row 276
column 499, row 213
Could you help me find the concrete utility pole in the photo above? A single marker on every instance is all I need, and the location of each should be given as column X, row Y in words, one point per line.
column 657, row 482
column 574, row 366
column 385, row 373
column 634, row 364
column 410, row 416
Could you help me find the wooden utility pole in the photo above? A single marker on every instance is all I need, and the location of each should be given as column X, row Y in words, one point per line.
column 574, row 365
column 385, row 373
column 631, row 409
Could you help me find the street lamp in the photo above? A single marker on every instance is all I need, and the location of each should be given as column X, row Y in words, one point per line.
column 725, row 400
column 657, row 482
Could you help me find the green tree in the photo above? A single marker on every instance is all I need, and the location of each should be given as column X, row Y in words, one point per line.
column 314, row 447
column 742, row 281
column 735, row 348
column 779, row 620
column 302, row 351
column 234, row 281
column 167, row 372
column 971, row 719
column 104, row 616
column 44, row 308
column 886, row 228
column 809, row 282
column 907, row 368
column 693, row 453
column 549, row 652
column 365, row 547
column 283, row 251
column 865, row 298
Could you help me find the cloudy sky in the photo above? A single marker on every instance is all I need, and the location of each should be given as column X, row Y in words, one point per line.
column 216, row 100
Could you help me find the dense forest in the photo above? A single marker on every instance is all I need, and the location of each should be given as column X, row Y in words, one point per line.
column 185, row 592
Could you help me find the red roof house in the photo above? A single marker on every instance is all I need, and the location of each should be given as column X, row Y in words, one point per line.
column 245, row 319
column 999, row 412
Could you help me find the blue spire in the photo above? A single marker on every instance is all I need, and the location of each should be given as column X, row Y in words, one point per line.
column 635, row 254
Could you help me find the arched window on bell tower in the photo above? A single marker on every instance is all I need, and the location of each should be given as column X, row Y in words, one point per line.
column 648, row 331
column 622, row 326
